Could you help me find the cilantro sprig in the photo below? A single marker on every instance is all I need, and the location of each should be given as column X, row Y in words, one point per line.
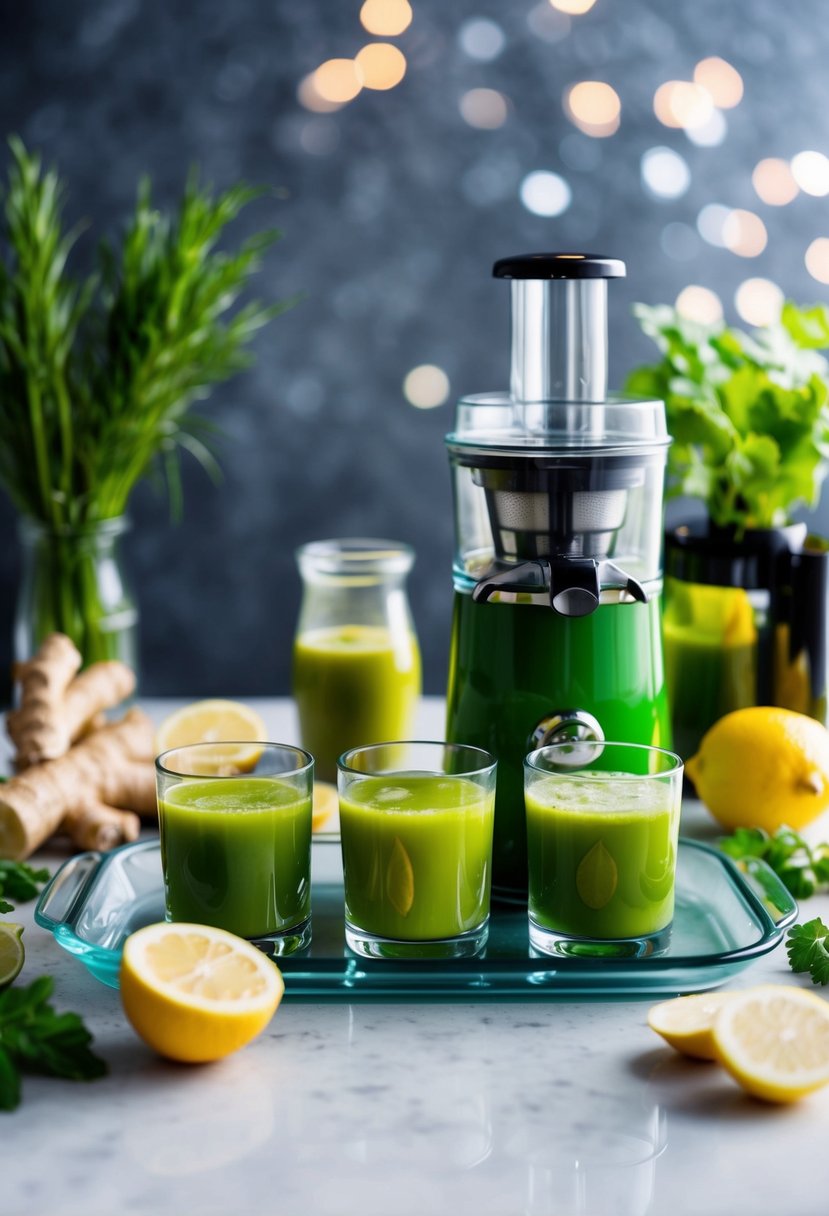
column 808, row 949
column 35, row 1038
column 19, row 881
column 801, row 867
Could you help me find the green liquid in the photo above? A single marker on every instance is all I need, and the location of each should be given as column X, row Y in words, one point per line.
column 602, row 855
column 236, row 854
column 511, row 665
column 353, row 685
column 416, row 855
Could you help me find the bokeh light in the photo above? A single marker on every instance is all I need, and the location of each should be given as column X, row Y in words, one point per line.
column 575, row 8
column 774, row 181
column 481, row 39
column 484, row 108
column 309, row 97
column 699, row 304
column 744, row 233
column 722, row 81
column 711, row 133
column 759, row 302
column 811, row 172
column 337, row 81
column 665, row 173
column 711, row 223
column 594, row 107
column 426, row 386
column 679, row 241
column 382, row 65
column 681, row 103
column 545, row 193
column 386, row 17
column 817, row 259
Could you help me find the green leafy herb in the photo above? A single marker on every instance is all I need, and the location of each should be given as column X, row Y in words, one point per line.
column 808, row 949
column 34, row 1038
column 749, row 414
column 19, row 881
column 801, row 867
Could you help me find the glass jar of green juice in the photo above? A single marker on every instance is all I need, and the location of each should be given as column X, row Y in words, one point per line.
column 356, row 662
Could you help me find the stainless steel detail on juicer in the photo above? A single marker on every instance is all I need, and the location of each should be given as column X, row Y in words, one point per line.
column 558, row 517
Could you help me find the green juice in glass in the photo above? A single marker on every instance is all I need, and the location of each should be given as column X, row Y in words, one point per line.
column 353, row 685
column 602, row 855
column 417, row 855
column 236, row 853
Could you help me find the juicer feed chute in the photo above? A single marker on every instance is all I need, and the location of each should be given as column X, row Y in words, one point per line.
column 558, row 499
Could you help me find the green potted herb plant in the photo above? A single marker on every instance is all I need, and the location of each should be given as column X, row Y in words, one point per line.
column 97, row 381
column 745, row 615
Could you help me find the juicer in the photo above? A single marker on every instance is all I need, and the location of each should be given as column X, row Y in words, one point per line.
column 558, row 490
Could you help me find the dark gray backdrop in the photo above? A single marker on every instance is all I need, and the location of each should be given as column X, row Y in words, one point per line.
column 393, row 210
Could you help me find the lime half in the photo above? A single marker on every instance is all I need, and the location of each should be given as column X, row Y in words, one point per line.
column 12, row 953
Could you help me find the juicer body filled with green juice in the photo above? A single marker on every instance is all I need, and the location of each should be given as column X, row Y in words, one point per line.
column 558, row 494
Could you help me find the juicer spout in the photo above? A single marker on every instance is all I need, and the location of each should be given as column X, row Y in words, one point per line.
column 574, row 584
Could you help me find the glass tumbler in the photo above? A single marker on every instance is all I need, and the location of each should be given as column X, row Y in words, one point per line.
column 602, row 833
column 235, row 822
column 416, row 828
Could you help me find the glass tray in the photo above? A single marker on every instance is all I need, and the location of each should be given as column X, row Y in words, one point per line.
column 725, row 918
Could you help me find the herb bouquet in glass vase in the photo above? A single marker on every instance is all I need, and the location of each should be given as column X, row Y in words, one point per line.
column 747, row 587
column 97, row 382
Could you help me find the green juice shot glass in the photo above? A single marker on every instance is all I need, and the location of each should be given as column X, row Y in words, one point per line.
column 602, row 831
column 416, row 828
column 235, row 823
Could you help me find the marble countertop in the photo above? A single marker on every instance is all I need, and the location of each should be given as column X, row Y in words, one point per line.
column 556, row 1109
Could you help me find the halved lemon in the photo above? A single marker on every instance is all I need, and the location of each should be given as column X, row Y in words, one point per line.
column 194, row 993
column 774, row 1040
column 326, row 807
column 687, row 1022
column 215, row 721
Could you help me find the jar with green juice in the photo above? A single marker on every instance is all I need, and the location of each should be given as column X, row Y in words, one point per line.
column 356, row 660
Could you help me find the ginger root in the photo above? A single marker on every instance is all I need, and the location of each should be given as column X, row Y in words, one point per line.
column 108, row 768
column 57, row 705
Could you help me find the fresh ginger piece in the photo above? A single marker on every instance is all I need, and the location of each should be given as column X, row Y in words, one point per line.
column 98, row 826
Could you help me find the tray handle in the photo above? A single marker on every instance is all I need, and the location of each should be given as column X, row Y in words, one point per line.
column 63, row 893
column 774, row 895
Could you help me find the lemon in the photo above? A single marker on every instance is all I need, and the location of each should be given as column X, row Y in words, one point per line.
column 195, row 993
column 774, row 1041
column 220, row 722
column 763, row 767
column 687, row 1022
column 325, row 807
column 400, row 879
column 12, row 953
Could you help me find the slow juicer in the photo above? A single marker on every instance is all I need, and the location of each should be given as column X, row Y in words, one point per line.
column 558, row 519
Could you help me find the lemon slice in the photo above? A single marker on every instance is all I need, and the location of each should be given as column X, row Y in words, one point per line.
column 687, row 1022
column 400, row 879
column 774, row 1041
column 12, row 953
column 326, row 807
column 195, row 993
column 221, row 722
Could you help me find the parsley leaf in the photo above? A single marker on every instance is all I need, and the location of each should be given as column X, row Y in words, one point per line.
column 803, row 869
column 19, row 881
column 808, row 949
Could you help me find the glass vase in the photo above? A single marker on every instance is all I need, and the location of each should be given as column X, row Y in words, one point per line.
column 72, row 582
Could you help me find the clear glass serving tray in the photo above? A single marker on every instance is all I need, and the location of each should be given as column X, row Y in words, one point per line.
column 725, row 918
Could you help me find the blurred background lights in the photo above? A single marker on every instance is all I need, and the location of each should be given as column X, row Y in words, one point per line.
column 309, row 96
column 817, row 259
column 759, row 302
column 699, row 304
column 382, row 65
column 774, row 182
column 594, row 107
column 574, row 7
column 811, row 172
column 337, row 81
column 484, row 108
column 722, row 81
column 665, row 173
column 545, row 193
column 679, row 241
column 744, row 233
column 711, row 133
column 711, row 223
column 386, row 17
column 481, row 39
column 681, row 103
column 426, row 386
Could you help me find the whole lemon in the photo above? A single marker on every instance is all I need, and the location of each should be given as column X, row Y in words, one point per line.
column 763, row 767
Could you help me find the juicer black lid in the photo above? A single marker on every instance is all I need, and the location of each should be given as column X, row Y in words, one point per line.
column 700, row 552
column 558, row 266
